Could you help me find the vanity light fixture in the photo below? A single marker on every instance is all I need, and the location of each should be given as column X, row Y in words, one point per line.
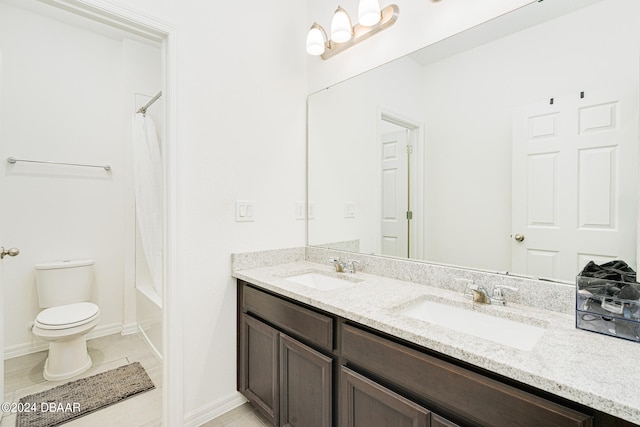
column 316, row 40
column 369, row 12
column 341, row 29
column 344, row 34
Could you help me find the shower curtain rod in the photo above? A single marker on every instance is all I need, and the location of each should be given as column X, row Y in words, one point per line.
column 143, row 110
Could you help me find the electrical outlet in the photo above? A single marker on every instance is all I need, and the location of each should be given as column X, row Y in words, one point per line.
column 245, row 211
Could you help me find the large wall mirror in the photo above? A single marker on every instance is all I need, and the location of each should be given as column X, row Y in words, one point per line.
column 512, row 147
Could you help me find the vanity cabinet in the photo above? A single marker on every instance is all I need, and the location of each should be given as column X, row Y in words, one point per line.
column 303, row 367
column 287, row 379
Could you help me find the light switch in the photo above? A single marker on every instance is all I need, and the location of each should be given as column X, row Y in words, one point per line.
column 245, row 211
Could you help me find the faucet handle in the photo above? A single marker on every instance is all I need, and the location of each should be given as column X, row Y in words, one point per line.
column 468, row 284
column 351, row 266
column 338, row 264
column 498, row 294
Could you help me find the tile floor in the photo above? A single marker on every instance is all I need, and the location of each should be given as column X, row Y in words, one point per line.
column 23, row 376
column 242, row 416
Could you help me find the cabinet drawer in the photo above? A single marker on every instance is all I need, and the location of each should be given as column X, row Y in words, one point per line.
column 478, row 399
column 296, row 320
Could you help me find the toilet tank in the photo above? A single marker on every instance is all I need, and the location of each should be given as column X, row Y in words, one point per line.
column 64, row 282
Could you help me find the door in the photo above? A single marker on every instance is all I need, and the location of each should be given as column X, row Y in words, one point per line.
column 1, row 237
column 259, row 366
column 586, row 143
column 395, row 194
column 305, row 385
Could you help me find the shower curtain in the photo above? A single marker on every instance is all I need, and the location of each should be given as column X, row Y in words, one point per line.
column 148, row 191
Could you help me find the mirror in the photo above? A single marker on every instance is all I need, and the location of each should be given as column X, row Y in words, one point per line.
column 517, row 154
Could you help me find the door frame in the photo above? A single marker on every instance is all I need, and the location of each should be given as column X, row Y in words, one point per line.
column 147, row 25
column 416, row 138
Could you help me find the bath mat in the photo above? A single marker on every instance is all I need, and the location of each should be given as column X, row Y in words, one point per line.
column 75, row 399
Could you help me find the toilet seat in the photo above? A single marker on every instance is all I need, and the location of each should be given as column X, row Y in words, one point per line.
column 67, row 316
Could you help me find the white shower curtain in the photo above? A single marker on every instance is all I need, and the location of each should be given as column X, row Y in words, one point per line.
column 148, row 191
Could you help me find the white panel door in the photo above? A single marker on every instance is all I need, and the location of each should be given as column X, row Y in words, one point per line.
column 2, row 225
column 570, row 202
column 395, row 194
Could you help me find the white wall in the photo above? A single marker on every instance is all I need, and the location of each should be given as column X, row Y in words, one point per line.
column 61, row 102
column 242, row 118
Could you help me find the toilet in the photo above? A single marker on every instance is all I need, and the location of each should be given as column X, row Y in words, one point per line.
column 64, row 290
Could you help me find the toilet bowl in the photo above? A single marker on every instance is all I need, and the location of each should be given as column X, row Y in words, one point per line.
column 63, row 291
column 66, row 328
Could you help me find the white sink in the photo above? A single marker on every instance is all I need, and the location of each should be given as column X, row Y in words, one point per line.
column 322, row 281
column 493, row 328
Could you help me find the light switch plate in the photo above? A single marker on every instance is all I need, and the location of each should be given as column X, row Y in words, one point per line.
column 245, row 211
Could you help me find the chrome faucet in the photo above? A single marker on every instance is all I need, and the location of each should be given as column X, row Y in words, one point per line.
column 480, row 294
column 498, row 294
column 344, row 266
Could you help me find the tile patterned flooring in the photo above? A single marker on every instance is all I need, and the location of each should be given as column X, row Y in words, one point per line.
column 242, row 416
column 23, row 376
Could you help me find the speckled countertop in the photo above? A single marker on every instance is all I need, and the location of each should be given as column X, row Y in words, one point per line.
column 595, row 370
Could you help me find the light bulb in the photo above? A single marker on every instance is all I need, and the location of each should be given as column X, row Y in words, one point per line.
column 341, row 30
column 316, row 40
column 369, row 12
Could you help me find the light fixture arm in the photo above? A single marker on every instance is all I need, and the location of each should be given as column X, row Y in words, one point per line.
column 360, row 32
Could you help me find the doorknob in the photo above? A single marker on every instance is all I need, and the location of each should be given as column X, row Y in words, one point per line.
column 519, row 237
column 11, row 252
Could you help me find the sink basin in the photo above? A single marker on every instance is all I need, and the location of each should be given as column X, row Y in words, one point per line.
column 493, row 328
column 322, row 281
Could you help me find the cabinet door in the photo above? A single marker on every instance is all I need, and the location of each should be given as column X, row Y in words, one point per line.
column 364, row 403
column 259, row 366
column 305, row 385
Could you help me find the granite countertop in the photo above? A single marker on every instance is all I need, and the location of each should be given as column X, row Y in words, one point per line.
column 595, row 370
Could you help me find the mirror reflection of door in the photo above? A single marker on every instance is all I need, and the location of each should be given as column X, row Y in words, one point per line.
column 586, row 142
column 401, row 152
column 395, row 195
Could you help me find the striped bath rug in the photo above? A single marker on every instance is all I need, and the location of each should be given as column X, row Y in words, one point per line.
column 75, row 399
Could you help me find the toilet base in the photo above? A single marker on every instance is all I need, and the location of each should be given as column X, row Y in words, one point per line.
column 67, row 359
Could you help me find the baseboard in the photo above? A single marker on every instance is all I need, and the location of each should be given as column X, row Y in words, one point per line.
column 147, row 341
column 213, row 410
column 39, row 345
column 129, row 328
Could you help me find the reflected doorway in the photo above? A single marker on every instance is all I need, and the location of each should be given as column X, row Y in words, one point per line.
column 401, row 181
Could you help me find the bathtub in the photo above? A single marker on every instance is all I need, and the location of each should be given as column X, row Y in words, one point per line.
column 149, row 317
column 148, row 304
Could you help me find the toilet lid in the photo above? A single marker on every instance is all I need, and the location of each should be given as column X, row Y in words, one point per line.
column 67, row 316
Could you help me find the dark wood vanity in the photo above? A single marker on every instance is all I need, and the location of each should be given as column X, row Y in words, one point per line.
column 302, row 367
